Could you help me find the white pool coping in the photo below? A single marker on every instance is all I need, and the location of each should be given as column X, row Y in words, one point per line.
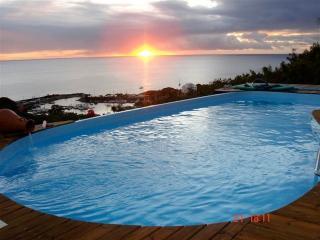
column 2, row 224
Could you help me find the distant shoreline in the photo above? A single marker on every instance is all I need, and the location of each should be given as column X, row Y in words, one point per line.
column 174, row 55
column 121, row 98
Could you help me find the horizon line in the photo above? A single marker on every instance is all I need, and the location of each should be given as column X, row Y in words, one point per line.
column 131, row 56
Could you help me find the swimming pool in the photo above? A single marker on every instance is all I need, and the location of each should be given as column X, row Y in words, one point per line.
column 197, row 161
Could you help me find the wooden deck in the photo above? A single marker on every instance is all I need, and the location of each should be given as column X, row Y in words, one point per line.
column 316, row 115
column 297, row 221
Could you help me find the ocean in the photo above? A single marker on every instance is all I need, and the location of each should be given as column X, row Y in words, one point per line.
column 99, row 76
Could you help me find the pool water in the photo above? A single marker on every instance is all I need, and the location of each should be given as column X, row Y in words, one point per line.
column 203, row 165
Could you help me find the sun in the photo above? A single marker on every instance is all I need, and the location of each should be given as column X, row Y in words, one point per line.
column 145, row 53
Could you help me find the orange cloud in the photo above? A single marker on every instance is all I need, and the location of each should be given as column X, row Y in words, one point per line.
column 43, row 54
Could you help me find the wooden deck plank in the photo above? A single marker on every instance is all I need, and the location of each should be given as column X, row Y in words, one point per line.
column 27, row 231
column 7, row 204
column 22, row 220
column 119, row 233
column 162, row 233
column 59, row 230
column 41, row 229
column 316, row 115
column 3, row 198
column 310, row 199
column 97, row 232
column 255, row 232
column 231, row 230
column 19, row 226
column 290, row 226
column 31, row 234
column 209, row 231
column 10, row 217
column 301, row 213
column 185, row 233
column 78, row 231
column 141, row 233
column 8, row 209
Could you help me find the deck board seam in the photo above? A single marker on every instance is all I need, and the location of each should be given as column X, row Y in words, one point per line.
column 178, row 229
column 196, row 232
column 76, row 224
column 48, row 229
column 134, row 230
column 10, row 212
column 23, row 231
column 297, row 219
column 148, row 235
column 14, row 224
column 245, row 225
column 170, row 235
column 107, row 233
column 88, row 229
column 105, row 236
column 218, row 232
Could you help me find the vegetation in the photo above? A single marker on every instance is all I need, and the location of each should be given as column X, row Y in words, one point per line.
column 56, row 114
column 301, row 68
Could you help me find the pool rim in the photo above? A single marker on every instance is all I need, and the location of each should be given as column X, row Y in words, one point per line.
column 150, row 107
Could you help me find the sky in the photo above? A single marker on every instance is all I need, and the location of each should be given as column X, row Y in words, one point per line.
column 31, row 29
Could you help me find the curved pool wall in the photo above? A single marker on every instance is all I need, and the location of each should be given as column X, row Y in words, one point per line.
column 10, row 155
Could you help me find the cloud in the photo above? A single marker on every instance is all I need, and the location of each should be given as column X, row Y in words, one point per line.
column 174, row 25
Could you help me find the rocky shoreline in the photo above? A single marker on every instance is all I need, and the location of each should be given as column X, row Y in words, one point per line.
column 81, row 102
column 75, row 106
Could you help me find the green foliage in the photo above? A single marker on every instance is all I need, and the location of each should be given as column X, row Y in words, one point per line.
column 301, row 68
column 56, row 114
column 207, row 89
column 39, row 118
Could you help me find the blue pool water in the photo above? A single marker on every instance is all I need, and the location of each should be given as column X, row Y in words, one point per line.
column 198, row 161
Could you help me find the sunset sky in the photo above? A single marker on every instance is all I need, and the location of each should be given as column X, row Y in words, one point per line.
column 78, row 28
